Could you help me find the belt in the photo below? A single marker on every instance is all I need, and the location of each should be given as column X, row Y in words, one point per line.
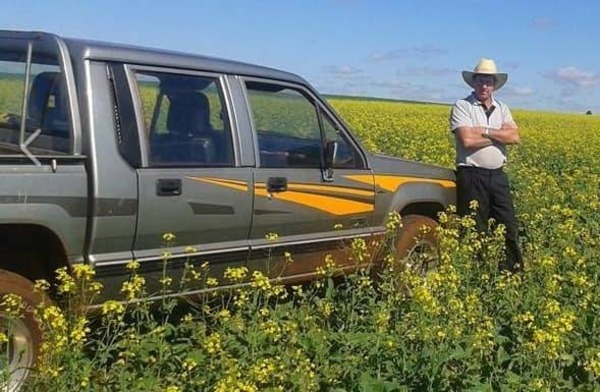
column 479, row 169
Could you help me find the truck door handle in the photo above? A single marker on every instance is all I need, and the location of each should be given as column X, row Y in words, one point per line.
column 168, row 187
column 277, row 184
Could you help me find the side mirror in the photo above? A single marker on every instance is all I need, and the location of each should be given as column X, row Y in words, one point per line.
column 330, row 153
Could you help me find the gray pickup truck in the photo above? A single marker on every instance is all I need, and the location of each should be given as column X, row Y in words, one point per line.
column 106, row 147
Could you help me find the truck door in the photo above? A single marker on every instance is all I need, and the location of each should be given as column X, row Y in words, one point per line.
column 300, row 207
column 189, row 184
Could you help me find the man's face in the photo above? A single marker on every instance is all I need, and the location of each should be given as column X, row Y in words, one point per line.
column 484, row 86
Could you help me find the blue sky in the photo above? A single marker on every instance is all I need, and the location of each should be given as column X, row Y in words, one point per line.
column 381, row 48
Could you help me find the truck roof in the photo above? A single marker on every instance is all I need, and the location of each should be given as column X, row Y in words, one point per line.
column 97, row 50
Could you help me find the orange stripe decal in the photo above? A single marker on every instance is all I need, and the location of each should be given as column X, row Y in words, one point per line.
column 327, row 188
column 390, row 183
column 329, row 204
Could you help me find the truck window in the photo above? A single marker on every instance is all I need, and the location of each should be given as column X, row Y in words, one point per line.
column 286, row 126
column 47, row 126
column 185, row 120
column 290, row 132
column 347, row 156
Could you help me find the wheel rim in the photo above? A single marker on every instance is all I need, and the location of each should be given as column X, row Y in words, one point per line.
column 423, row 257
column 16, row 357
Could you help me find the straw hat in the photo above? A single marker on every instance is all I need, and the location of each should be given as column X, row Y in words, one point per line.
column 485, row 67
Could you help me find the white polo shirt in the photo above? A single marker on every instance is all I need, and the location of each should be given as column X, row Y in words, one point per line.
column 470, row 112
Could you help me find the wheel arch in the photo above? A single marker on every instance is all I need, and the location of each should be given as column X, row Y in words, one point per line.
column 32, row 251
column 422, row 198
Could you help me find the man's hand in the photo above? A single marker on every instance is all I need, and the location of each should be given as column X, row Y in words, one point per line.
column 473, row 137
column 508, row 134
column 477, row 137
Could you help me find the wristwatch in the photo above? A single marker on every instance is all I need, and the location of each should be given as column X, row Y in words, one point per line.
column 486, row 133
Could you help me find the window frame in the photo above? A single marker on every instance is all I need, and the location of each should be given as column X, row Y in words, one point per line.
column 71, row 99
column 321, row 110
column 227, row 106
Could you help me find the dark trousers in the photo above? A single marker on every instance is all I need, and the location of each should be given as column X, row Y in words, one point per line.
column 491, row 190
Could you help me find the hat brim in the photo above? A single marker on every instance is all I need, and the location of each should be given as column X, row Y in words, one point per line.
column 501, row 78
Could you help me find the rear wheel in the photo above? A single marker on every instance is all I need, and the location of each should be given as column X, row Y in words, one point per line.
column 23, row 336
column 416, row 244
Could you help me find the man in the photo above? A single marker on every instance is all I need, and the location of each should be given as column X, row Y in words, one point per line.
column 483, row 127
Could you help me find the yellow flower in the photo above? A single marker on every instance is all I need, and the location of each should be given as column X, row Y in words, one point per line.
column 211, row 282
column 133, row 265
column 473, row 205
column 271, row 236
column 83, row 272
column 79, row 331
column 263, row 370
column 169, row 237
column 212, row 344
column 166, row 281
column 592, row 364
column 236, row 275
column 190, row 249
column 326, row 307
column 189, row 364
column 358, row 250
column 224, row 315
column 66, row 283
column 13, row 305
column 260, row 281
column 112, row 307
column 382, row 320
column 133, row 287
column 394, row 222
column 240, row 299
column 41, row 286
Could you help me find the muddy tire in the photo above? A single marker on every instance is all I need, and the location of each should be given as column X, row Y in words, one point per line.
column 19, row 354
column 416, row 244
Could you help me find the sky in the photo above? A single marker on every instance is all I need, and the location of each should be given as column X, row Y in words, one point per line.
column 409, row 50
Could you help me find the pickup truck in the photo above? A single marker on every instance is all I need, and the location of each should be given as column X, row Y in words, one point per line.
column 106, row 147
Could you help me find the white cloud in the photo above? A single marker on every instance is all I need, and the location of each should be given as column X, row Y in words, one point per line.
column 391, row 55
column 342, row 70
column 428, row 51
column 542, row 23
column 425, row 51
column 575, row 77
column 521, row 91
column 428, row 71
column 400, row 89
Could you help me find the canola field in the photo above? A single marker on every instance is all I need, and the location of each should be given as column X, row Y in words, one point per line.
column 462, row 327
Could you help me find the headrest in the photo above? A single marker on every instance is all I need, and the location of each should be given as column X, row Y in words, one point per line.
column 189, row 113
column 43, row 86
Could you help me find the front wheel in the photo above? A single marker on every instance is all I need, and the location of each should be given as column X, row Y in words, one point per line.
column 416, row 244
column 22, row 335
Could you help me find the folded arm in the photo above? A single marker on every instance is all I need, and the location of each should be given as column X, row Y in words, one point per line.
column 475, row 137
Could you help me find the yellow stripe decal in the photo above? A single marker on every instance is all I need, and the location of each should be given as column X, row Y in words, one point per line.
column 329, row 204
column 335, row 189
column 233, row 184
column 390, row 183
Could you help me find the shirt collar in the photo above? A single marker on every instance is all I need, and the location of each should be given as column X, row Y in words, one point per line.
column 477, row 102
